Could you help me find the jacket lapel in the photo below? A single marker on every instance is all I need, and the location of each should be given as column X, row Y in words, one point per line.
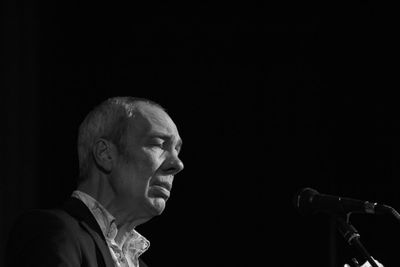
column 78, row 209
column 101, row 244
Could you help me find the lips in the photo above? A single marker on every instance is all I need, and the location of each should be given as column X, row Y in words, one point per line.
column 161, row 189
column 164, row 185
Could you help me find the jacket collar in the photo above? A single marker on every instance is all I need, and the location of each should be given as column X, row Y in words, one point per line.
column 78, row 209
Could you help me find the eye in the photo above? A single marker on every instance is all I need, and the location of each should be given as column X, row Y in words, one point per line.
column 157, row 142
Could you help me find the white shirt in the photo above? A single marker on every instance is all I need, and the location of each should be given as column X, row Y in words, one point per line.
column 126, row 255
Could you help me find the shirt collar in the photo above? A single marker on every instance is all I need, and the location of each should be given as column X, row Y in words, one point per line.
column 135, row 242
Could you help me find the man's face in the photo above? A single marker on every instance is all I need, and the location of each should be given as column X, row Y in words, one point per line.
column 142, row 181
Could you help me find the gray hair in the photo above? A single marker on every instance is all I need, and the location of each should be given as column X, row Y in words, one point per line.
column 109, row 120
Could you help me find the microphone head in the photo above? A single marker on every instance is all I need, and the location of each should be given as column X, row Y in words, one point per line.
column 303, row 200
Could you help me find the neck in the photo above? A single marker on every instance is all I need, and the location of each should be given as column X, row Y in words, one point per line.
column 99, row 188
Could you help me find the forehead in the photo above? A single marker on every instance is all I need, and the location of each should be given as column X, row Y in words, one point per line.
column 151, row 120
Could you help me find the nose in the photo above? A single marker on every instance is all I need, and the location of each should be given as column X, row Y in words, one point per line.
column 173, row 165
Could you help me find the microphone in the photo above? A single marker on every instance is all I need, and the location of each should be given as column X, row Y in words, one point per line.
column 309, row 201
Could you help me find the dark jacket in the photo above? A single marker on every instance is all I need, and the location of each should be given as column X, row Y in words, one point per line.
column 62, row 237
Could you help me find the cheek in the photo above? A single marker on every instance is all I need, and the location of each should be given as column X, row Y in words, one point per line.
column 149, row 162
column 138, row 174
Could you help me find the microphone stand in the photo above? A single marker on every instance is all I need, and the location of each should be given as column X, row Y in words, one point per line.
column 351, row 235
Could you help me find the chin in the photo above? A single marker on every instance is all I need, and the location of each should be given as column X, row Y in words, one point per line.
column 158, row 205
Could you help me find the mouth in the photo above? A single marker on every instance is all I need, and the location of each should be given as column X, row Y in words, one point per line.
column 164, row 185
column 161, row 189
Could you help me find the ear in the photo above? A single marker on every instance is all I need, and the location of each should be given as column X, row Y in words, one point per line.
column 104, row 154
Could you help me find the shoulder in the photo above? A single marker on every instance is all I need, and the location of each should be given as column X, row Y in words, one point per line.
column 43, row 234
column 45, row 225
column 48, row 220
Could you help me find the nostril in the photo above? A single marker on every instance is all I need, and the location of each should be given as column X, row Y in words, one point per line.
column 174, row 167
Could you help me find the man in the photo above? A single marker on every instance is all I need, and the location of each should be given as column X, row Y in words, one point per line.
column 128, row 155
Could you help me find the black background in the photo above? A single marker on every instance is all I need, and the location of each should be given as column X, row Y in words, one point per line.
column 268, row 98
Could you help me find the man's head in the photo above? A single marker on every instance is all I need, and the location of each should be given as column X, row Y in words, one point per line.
column 134, row 145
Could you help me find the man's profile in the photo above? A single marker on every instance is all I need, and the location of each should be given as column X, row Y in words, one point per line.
column 128, row 155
